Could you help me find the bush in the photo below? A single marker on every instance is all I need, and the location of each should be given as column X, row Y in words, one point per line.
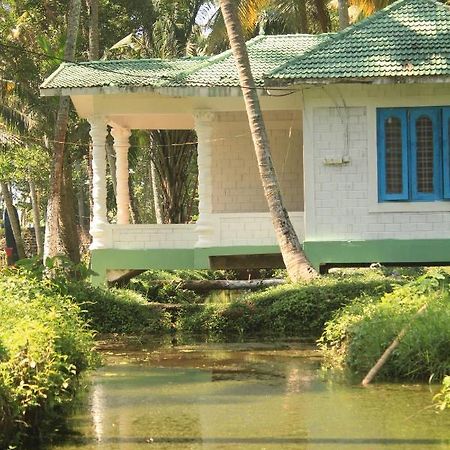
column 357, row 336
column 288, row 310
column 44, row 346
column 119, row 310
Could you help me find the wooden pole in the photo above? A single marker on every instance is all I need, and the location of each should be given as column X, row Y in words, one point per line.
column 387, row 353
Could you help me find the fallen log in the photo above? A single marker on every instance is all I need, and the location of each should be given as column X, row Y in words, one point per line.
column 224, row 285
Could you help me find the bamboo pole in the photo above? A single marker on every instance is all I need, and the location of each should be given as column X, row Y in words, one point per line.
column 387, row 353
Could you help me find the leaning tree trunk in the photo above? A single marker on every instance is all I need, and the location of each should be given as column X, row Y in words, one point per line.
column 7, row 197
column 343, row 14
column 36, row 219
column 55, row 240
column 293, row 257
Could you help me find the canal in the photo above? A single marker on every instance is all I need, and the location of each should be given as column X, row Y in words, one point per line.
column 251, row 396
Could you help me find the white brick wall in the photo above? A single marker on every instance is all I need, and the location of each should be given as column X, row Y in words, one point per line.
column 252, row 229
column 341, row 201
column 138, row 237
column 239, row 229
column 236, row 183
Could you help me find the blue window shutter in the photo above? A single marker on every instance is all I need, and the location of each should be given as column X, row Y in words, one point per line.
column 425, row 176
column 385, row 178
column 446, row 151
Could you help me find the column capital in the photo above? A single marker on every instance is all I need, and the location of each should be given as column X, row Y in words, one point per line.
column 97, row 121
column 121, row 137
column 204, row 115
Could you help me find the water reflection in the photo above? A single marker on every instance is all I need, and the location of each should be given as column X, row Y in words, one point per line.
column 257, row 397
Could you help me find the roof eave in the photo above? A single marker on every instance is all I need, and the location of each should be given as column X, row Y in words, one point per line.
column 358, row 80
column 182, row 91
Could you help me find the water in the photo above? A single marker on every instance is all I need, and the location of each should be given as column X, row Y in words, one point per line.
column 249, row 396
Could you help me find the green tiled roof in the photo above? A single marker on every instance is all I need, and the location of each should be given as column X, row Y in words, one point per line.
column 410, row 38
column 136, row 72
column 265, row 52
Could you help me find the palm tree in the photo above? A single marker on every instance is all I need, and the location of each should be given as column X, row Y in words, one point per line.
column 272, row 17
column 167, row 29
column 14, row 125
column 293, row 257
column 61, row 236
column 343, row 14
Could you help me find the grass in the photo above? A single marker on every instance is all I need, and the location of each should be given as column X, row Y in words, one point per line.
column 358, row 334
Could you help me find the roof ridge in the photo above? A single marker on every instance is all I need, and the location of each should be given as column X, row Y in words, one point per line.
column 110, row 61
column 349, row 30
column 220, row 57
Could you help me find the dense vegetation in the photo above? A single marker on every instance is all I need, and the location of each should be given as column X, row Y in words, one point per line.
column 289, row 310
column 359, row 333
column 44, row 347
column 46, row 338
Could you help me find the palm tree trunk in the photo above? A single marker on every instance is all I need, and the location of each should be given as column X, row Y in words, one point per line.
column 94, row 35
column 36, row 219
column 293, row 257
column 54, row 233
column 156, row 194
column 343, row 14
column 7, row 197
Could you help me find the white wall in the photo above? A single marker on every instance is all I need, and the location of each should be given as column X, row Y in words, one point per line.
column 236, row 184
column 341, row 199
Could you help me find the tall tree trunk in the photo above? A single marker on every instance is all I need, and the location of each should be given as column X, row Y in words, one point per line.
column 55, row 241
column 94, row 35
column 7, row 197
column 293, row 257
column 303, row 16
column 36, row 219
column 156, row 193
column 94, row 54
column 343, row 14
column 69, row 225
column 111, row 157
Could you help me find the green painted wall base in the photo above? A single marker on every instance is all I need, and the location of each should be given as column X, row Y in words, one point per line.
column 387, row 251
column 103, row 260
column 321, row 254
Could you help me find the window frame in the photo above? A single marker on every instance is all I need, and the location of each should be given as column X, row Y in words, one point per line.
column 382, row 115
column 440, row 117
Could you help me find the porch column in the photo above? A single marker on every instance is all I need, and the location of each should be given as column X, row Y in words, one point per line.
column 99, row 212
column 121, row 146
column 205, row 227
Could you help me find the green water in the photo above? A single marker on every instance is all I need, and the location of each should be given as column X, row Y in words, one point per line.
column 249, row 396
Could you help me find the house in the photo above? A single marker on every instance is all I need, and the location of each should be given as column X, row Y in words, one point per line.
column 359, row 128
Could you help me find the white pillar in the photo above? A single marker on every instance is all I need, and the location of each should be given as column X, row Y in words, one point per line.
column 205, row 226
column 121, row 146
column 99, row 213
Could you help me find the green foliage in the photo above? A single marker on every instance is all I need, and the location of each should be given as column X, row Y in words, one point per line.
column 358, row 334
column 442, row 399
column 170, row 291
column 44, row 346
column 288, row 310
column 105, row 310
column 119, row 310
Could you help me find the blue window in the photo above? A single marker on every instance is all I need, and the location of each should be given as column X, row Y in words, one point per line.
column 413, row 154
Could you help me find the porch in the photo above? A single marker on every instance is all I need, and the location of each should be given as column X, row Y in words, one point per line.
column 234, row 228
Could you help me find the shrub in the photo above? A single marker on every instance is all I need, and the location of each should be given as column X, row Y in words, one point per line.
column 288, row 310
column 119, row 310
column 358, row 334
column 44, row 346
